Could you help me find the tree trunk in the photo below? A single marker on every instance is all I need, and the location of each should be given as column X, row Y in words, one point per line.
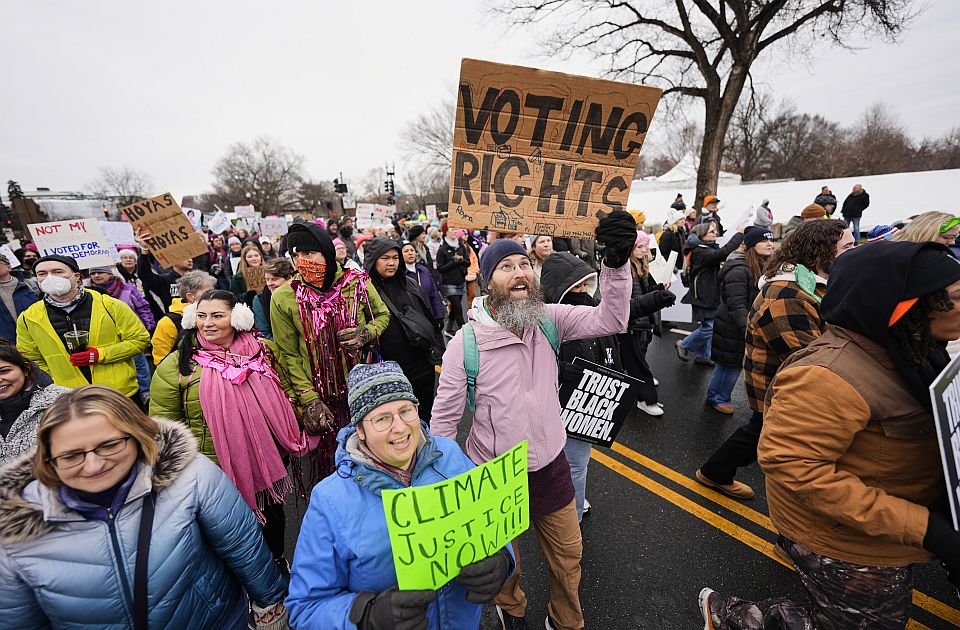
column 717, row 116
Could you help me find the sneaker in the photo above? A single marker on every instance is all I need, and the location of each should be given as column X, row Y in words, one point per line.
column 724, row 409
column 682, row 352
column 782, row 553
column 510, row 622
column 651, row 410
column 656, row 383
column 586, row 508
column 704, row 361
column 704, row 601
column 736, row 490
column 548, row 625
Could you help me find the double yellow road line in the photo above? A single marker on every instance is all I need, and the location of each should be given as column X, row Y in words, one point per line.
column 930, row 604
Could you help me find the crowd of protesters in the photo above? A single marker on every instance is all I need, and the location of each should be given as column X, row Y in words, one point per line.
column 156, row 423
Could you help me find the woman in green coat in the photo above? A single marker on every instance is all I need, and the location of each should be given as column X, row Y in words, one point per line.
column 230, row 388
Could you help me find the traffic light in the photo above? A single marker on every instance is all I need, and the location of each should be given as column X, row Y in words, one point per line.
column 338, row 187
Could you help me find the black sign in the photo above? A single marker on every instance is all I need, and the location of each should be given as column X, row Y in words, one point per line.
column 595, row 401
column 945, row 394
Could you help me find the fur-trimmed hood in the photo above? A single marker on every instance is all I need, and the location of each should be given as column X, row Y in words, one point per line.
column 26, row 505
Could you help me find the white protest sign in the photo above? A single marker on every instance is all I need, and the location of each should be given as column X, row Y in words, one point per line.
column 372, row 215
column 193, row 215
column 235, row 264
column 117, row 232
column 244, row 212
column 730, row 230
column 80, row 239
column 11, row 257
column 219, row 223
column 661, row 269
column 273, row 227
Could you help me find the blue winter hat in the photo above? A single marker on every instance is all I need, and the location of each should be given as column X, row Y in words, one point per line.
column 375, row 384
column 495, row 252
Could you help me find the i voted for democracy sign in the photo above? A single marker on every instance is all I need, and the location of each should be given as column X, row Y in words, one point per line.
column 594, row 404
column 437, row 530
column 80, row 239
column 945, row 395
column 172, row 238
column 543, row 152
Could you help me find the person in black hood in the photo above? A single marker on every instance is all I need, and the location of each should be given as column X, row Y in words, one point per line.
column 850, row 448
column 382, row 259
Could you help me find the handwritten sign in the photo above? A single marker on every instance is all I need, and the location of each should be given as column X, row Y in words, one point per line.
column 80, row 239
column 219, row 223
column 543, row 152
column 244, row 212
column 273, row 227
column 11, row 257
column 595, row 405
column 117, row 232
column 437, row 530
column 253, row 276
column 374, row 216
column 172, row 238
column 945, row 395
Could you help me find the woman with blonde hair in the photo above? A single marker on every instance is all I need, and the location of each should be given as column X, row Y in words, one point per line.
column 116, row 509
column 250, row 257
column 540, row 248
column 934, row 227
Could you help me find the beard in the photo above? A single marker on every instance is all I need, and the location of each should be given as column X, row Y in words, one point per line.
column 513, row 313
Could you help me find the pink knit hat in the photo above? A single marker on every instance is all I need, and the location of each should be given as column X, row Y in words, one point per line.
column 642, row 238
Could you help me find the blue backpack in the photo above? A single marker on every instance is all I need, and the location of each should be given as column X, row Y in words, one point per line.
column 471, row 355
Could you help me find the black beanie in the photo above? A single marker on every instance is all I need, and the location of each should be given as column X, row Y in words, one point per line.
column 415, row 231
column 66, row 260
column 310, row 237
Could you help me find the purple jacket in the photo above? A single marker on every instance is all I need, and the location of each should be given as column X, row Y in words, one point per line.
column 516, row 389
column 428, row 286
column 135, row 300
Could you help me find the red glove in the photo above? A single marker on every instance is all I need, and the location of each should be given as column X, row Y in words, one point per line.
column 86, row 358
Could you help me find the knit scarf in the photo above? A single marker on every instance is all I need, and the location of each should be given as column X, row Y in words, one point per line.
column 66, row 305
column 249, row 414
column 322, row 315
column 114, row 288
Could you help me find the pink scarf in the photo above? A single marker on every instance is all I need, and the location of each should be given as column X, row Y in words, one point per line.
column 249, row 414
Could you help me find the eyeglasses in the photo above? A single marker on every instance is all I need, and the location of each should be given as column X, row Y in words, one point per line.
column 409, row 414
column 508, row 268
column 74, row 459
column 952, row 223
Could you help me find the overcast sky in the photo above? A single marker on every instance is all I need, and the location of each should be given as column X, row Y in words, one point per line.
column 166, row 87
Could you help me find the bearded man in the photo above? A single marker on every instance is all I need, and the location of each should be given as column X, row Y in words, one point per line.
column 516, row 399
column 323, row 321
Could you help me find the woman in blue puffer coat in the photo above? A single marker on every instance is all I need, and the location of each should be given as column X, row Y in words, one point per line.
column 343, row 572
column 70, row 519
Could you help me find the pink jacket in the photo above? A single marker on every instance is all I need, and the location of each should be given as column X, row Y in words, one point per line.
column 517, row 387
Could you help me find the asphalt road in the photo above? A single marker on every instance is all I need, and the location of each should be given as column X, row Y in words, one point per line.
column 655, row 537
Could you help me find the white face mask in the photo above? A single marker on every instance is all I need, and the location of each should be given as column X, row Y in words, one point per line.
column 56, row 285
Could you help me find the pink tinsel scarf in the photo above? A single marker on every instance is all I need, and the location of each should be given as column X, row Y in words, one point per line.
column 247, row 410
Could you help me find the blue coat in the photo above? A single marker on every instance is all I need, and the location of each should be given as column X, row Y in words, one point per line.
column 428, row 286
column 23, row 296
column 59, row 569
column 261, row 318
column 344, row 546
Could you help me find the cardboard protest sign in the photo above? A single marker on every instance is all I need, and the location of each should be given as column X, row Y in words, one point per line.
column 117, row 232
column 437, row 530
column 253, row 276
column 11, row 257
column 945, row 395
column 80, row 239
column 273, row 227
column 219, row 223
column 172, row 238
column 244, row 212
column 373, row 216
column 594, row 406
column 543, row 152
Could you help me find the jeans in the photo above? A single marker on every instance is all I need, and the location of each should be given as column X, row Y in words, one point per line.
column 700, row 341
column 855, row 222
column 721, row 385
column 578, row 456
column 143, row 374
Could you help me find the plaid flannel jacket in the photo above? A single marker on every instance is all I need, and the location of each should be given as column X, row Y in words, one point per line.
column 783, row 320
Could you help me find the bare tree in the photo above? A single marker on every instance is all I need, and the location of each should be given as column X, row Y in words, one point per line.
column 428, row 185
column 123, row 185
column 315, row 195
column 940, row 153
column 268, row 171
column 881, row 144
column 428, row 140
column 747, row 149
column 701, row 49
column 371, row 188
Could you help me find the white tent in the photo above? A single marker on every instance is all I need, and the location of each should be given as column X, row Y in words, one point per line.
column 894, row 196
column 682, row 175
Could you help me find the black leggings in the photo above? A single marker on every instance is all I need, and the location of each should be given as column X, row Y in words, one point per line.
column 273, row 529
column 456, row 308
column 423, row 389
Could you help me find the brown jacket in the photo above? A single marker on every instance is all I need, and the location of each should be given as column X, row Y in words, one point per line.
column 851, row 457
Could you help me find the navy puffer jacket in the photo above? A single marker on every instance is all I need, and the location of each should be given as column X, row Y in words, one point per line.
column 60, row 569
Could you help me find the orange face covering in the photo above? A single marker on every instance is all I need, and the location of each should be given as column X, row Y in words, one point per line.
column 312, row 271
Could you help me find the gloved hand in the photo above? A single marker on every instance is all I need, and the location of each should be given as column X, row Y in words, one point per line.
column 484, row 579
column 88, row 357
column 391, row 609
column 316, row 417
column 354, row 338
column 618, row 233
column 944, row 542
column 664, row 298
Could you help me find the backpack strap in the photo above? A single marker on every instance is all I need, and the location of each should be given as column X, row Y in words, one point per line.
column 471, row 364
column 549, row 328
column 177, row 320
